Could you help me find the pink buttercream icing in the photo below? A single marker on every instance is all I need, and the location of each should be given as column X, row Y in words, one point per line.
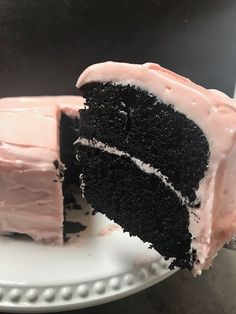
column 215, row 113
column 31, row 200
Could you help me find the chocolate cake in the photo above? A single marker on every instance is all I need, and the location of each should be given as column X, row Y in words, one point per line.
column 152, row 149
column 37, row 160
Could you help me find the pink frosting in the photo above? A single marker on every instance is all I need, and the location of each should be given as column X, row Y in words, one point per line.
column 108, row 229
column 31, row 199
column 215, row 113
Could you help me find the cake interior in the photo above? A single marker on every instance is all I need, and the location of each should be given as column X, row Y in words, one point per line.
column 141, row 163
column 68, row 135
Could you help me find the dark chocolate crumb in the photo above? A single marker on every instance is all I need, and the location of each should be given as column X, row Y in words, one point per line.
column 70, row 201
column 68, row 207
column 192, row 212
column 69, row 198
column 197, row 204
column 77, row 206
column 66, row 238
column 73, row 227
column 56, row 163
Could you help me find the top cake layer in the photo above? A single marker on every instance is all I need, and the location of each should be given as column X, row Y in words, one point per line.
column 215, row 114
column 33, row 121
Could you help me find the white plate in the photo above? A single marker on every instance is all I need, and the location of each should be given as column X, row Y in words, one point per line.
column 101, row 265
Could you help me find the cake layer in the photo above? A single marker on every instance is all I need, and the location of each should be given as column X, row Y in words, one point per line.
column 137, row 201
column 210, row 131
column 31, row 198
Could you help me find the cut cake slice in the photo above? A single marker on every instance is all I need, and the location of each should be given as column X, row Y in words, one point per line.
column 157, row 155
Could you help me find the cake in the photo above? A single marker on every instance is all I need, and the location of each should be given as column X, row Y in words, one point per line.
column 37, row 159
column 157, row 155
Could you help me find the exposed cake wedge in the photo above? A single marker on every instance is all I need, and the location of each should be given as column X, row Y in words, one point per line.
column 157, row 155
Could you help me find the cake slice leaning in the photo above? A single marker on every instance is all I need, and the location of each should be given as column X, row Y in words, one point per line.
column 33, row 164
column 157, row 155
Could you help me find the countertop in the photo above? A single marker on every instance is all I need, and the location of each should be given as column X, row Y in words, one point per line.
column 44, row 45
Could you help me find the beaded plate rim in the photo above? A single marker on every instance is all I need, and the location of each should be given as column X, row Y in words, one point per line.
column 39, row 299
column 32, row 279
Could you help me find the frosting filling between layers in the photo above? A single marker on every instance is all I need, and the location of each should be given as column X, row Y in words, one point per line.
column 147, row 168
